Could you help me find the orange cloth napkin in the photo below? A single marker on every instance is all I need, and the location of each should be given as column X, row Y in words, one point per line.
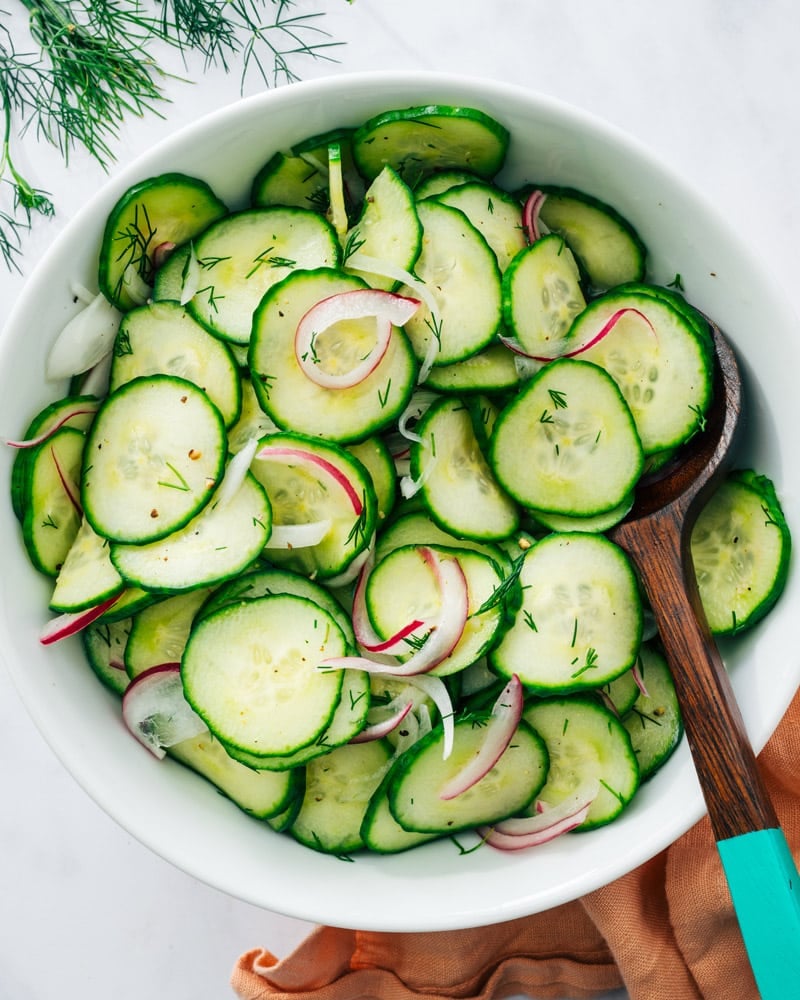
column 665, row 930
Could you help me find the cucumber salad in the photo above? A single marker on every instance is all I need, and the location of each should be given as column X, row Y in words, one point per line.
column 326, row 500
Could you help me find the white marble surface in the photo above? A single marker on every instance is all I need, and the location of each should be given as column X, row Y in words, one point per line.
column 710, row 85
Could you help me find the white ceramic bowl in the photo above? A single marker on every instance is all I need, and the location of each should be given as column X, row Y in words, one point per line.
column 180, row 816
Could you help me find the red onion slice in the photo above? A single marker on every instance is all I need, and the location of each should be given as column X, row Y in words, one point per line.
column 638, row 678
column 155, row 709
column 366, row 637
column 80, row 410
column 388, row 310
column 377, row 730
column 530, row 831
column 288, row 454
column 530, row 215
column 608, row 326
column 72, row 622
column 444, row 634
column 498, row 733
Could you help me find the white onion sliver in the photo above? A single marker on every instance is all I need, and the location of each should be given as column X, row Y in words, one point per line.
column 377, row 730
column 236, row 473
column 136, row 287
column 85, row 339
column 417, row 407
column 497, row 734
column 437, row 691
column 298, row 536
column 156, row 711
column 98, row 378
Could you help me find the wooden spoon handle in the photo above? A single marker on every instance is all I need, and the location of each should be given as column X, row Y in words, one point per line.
column 735, row 794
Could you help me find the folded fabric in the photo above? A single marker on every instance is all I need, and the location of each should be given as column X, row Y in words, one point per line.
column 665, row 930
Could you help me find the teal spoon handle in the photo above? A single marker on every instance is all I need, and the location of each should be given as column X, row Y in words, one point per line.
column 765, row 889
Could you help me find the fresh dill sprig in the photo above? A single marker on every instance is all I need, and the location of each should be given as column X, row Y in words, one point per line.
column 91, row 65
column 264, row 34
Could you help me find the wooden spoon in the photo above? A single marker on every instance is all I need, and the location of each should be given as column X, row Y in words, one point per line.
column 758, row 865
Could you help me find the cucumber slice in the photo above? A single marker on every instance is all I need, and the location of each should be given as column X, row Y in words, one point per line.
column 250, row 672
column 158, row 634
column 219, row 542
column 338, row 789
column 253, row 423
column 380, row 831
column 608, row 247
column 264, row 581
column 170, row 279
column 585, row 740
column 87, row 576
column 104, row 645
column 507, row 789
column 376, row 458
column 153, row 455
column 593, row 522
column 259, row 793
column 582, row 455
column 307, row 481
column 458, row 485
column 416, row 527
column 163, row 339
column 580, row 621
column 420, row 140
column 170, row 208
column 661, row 362
column 291, row 398
column 494, row 213
column 461, row 273
column 388, row 228
column 491, row 370
column 346, row 722
column 542, row 296
column 654, row 721
column 402, row 588
column 740, row 546
column 442, row 181
column 77, row 412
column 51, row 512
column 245, row 254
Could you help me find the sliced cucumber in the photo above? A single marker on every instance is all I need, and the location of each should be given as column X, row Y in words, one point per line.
column 158, row 634
column 608, row 247
column 582, row 454
column 253, row 423
column 376, row 458
column 420, row 140
column 169, row 209
column 593, row 522
column 259, row 793
column 77, row 412
column 491, row 370
column 163, row 339
column 494, row 213
column 542, row 296
column 104, row 645
column 388, row 227
column 219, row 542
column 422, row 771
column 460, row 271
column 250, row 672
column 416, row 527
column 338, row 789
column 661, row 362
column 740, row 547
column 585, row 740
column 245, row 254
column 654, row 722
column 580, row 622
column 458, row 485
column 346, row 722
column 87, row 576
column 291, row 398
column 267, row 580
column 153, row 456
column 307, row 481
column 51, row 511
column 380, row 831
column 442, row 181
